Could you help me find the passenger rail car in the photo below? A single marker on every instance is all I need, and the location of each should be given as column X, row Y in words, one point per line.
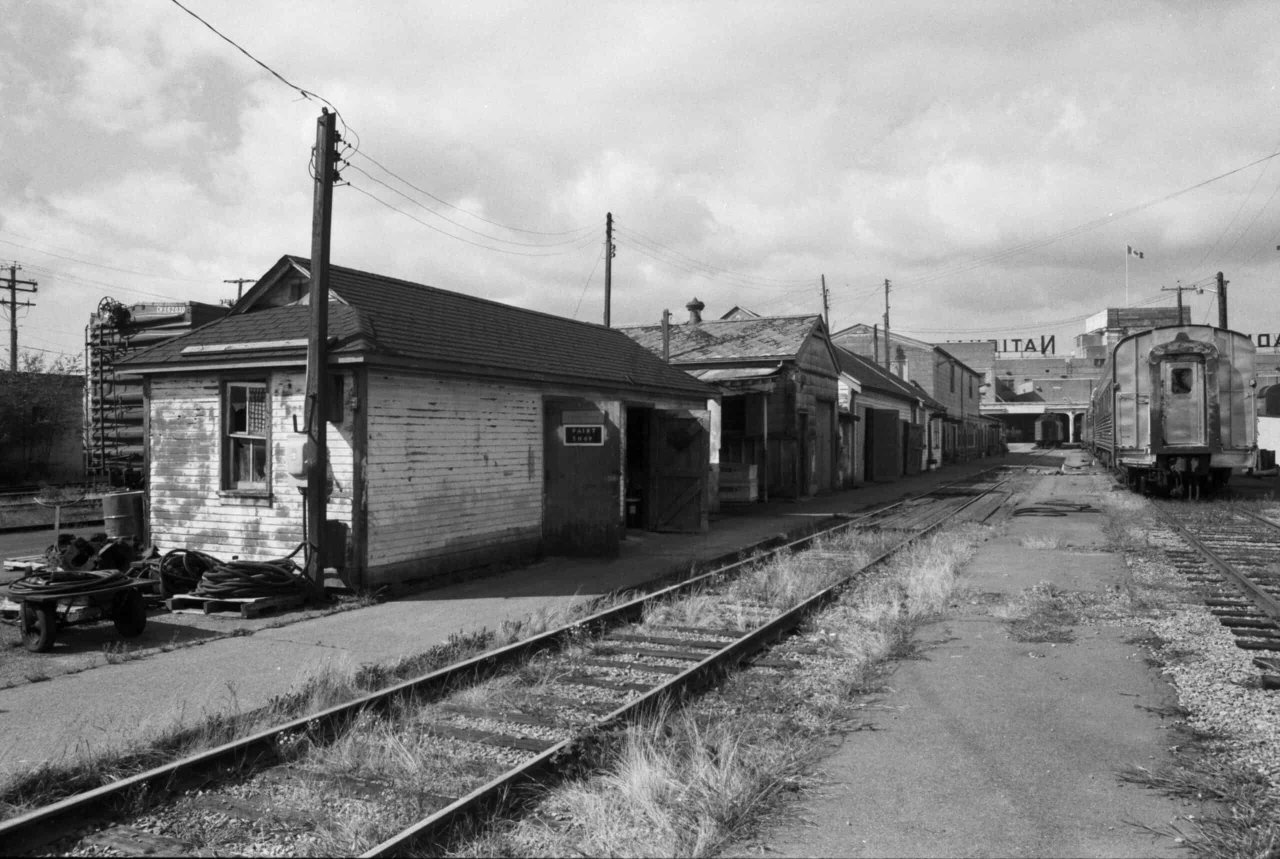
column 1048, row 431
column 1174, row 410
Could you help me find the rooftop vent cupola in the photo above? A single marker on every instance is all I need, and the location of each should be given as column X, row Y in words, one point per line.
column 695, row 309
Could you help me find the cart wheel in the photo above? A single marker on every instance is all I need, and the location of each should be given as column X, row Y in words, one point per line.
column 130, row 613
column 39, row 626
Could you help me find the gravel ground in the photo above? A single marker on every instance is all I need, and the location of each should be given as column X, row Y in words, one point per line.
column 1216, row 681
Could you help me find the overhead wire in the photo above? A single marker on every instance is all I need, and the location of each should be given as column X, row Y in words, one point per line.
column 1035, row 244
column 655, row 249
column 587, row 282
column 578, row 234
column 82, row 261
column 367, row 157
column 581, row 243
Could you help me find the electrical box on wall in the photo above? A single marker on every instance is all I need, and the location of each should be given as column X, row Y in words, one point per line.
column 295, row 459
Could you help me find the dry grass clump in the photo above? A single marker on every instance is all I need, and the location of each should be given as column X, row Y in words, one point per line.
column 330, row 684
column 689, row 781
column 1247, row 822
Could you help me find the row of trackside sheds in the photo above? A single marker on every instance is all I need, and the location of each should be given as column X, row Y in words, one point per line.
column 464, row 432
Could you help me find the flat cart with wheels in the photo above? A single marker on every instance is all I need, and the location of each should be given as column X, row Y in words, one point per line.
column 48, row 602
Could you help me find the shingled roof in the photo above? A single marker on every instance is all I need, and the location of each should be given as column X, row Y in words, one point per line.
column 876, row 378
column 386, row 321
column 772, row 338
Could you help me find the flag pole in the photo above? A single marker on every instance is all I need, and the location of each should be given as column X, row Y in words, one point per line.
column 1128, row 251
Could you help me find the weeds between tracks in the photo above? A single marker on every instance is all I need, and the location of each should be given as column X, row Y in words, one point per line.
column 689, row 780
column 709, row 768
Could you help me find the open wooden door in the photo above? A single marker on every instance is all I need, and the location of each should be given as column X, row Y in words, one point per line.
column 679, row 458
column 583, row 479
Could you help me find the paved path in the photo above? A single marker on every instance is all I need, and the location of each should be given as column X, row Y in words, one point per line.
column 989, row 746
column 117, row 706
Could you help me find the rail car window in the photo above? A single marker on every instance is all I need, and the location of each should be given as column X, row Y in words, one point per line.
column 1181, row 380
column 245, row 410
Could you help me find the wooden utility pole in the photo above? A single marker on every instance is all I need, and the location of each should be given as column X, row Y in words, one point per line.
column 1222, row 301
column 826, row 305
column 887, row 365
column 240, row 282
column 666, row 335
column 14, row 285
column 609, row 253
column 316, row 458
column 1179, row 289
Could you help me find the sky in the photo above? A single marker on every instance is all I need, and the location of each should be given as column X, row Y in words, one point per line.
column 993, row 160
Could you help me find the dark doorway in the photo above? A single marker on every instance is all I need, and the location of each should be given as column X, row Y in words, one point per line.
column 582, row 486
column 667, row 463
column 884, row 449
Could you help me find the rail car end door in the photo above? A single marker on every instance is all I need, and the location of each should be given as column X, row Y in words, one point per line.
column 1183, row 396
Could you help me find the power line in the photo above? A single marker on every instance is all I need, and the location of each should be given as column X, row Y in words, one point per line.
column 579, row 233
column 290, row 84
column 587, row 282
column 582, row 243
column 658, row 250
column 54, row 273
column 1035, row 244
column 98, row 264
column 707, row 270
column 399, row 178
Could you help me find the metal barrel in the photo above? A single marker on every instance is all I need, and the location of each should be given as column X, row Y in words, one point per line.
column 122, row 514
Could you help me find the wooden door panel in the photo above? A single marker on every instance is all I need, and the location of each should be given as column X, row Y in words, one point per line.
column 679, row 454
column 582, row 485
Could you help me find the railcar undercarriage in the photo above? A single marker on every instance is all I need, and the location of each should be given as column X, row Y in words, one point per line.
column 1188, row 476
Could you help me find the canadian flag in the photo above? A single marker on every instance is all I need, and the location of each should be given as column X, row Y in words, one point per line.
column 1134, row 253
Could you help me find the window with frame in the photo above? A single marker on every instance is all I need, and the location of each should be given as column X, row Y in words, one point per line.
column 245, row 444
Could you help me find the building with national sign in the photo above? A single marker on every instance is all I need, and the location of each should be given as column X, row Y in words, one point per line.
column 1026, row 388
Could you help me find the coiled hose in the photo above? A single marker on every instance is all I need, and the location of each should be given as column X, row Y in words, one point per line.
column 248, row 579
column 65, row 583
column 180, row 570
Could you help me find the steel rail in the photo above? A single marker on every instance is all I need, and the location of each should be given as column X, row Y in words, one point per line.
column 495, row 792
column 32, row 829
column 1265, row 601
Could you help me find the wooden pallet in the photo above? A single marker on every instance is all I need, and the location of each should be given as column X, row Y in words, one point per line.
column 246, row 607
column 26, row 563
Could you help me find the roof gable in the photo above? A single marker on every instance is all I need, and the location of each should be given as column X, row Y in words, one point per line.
column 388, row 320
column 764, row 338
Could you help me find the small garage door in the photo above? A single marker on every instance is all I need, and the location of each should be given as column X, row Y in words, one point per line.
column 884, row 449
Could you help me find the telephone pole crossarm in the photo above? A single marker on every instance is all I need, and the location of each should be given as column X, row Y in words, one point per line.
column 16, row 286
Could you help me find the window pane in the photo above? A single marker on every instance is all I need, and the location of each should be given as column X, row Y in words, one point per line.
column 1180, row 380
column 248, row 462
column 257, row 408
column 237, row 405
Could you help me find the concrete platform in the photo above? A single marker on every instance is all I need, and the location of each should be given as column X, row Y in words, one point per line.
column 995, row 744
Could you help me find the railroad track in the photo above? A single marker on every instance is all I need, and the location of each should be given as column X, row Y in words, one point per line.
column 1234, row 555
column 545, row 702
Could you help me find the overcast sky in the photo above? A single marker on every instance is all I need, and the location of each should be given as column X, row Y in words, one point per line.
column 992, row 159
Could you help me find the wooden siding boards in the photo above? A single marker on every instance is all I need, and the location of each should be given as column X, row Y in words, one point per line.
column 453, row 466
column 188, row 506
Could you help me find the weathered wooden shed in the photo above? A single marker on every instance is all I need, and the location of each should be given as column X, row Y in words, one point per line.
column 463, row 431
column 779, row 383
column 894, row 421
